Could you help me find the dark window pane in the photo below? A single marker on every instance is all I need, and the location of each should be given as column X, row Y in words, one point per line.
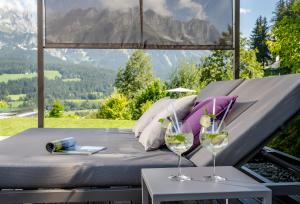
column 116, row 24
column 93, row 21
column 187, row 22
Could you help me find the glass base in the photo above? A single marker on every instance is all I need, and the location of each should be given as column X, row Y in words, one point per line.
column 179, row 178
column 214, row 178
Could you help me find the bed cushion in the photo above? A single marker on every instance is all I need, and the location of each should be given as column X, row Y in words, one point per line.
column 219, row 88
column 152, row 136
column 148, row 116
column 25, row 163
column 272, row 102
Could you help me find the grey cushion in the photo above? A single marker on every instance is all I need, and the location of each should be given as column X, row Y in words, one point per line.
column 275, row 100
column 152, row 136
column 237, row 109
column 148, row 116
column 219, row 88
column 24, row 162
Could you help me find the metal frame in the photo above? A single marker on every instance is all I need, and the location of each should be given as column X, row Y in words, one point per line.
column 42, row 45
column 278, row 189
column 70, row 195
column 40, row 62
column 236, row 39
column 135, row 46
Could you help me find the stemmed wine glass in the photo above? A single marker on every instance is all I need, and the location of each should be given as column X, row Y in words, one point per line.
column 179, row 138
column 214, row 138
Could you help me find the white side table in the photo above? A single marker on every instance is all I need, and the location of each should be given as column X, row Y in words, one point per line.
column 155, row 183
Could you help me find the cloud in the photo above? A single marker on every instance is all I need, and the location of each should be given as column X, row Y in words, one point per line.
column 159, row 6
column 19, row 5
column 195, row 7
column 119, row 5
column 245, row 11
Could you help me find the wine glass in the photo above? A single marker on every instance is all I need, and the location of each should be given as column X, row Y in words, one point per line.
column 179, row 138
column 214, row 138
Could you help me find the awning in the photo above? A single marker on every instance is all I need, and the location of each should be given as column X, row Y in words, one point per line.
column 145, row 24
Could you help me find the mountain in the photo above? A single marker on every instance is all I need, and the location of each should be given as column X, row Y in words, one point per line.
column 122, row 26
column 168, row 30
column 18, row 42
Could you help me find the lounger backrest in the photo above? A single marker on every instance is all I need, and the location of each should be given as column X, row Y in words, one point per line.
column 219, row 88
column 274, row 101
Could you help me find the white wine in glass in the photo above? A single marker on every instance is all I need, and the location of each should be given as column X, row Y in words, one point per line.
column 179, row 138
column 214, row 140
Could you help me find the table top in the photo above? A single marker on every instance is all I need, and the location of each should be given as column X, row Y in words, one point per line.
column 237, row 182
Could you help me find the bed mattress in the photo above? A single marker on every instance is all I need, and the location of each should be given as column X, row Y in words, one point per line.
column 25, row 163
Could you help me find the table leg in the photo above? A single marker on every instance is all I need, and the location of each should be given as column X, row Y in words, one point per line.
column 155, row 200
column 230, row 201
column 267, row 199
column 145, row 194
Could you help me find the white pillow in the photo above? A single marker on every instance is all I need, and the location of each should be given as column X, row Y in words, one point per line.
column 153, row 136
column 148, row 116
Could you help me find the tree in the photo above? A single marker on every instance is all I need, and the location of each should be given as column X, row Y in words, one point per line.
column 288, row 140
column 186, row 75
column 3, row 104
column 250, row 68
column 137, row 74
column 218, row 65
column 280, row 11
column 286, row 35
column 226, row 36
column 115, row 107
column 146, row 97
column 57, row 110
column 259, row 38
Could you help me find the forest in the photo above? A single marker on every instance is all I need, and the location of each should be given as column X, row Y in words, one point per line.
column 62, row 81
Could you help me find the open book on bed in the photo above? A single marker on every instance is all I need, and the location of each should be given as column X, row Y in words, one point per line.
column 82, row 150
column 68, row 146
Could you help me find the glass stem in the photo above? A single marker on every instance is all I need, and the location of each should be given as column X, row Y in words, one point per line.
column 214, row 168
column 179, row 166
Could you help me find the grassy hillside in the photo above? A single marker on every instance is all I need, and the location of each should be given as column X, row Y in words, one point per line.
column 97, row 101
column 72, row 80
column 16, row 97
column 12, row 126
column 51, row 75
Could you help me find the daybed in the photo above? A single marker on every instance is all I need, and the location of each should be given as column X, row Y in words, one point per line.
column 29, row 174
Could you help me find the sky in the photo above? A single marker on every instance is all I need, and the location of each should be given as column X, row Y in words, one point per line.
column 251, row 9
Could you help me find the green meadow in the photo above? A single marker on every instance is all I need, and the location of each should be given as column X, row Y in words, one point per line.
column 51, row 75
column 16, row 97
column 12, row 126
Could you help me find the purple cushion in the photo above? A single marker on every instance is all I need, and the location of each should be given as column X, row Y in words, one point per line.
column 193, row 118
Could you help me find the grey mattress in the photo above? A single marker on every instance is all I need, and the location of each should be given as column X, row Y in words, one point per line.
column 269, row 103
column 25, row 164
